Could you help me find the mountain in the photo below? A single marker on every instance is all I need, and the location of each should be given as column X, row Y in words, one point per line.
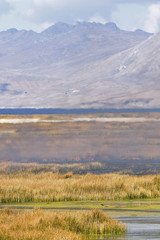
column 131, row 78
column 58, row 28
column 71, row 66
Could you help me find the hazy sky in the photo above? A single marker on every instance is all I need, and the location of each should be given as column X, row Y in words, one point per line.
column 40, row 14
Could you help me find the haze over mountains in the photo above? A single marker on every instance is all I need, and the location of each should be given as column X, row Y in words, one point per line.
column 82, row 66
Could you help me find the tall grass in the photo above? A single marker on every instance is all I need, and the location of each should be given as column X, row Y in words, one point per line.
column 56, row 226
column 49, row 187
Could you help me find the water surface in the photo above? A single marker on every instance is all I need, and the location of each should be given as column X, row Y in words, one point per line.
column 26, row 111
column 139, row 228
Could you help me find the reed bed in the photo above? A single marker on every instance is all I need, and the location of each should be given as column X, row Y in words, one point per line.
column 49, row 187
column 40, row 224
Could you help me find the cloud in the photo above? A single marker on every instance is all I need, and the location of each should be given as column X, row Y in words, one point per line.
column 46, row 25
column 97, row 19
column 71, row 10
column 153, row 19
column 5, row 7
column 50, row 3
column 37, row 14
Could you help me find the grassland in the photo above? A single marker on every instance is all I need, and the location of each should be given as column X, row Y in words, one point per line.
column 70, row 206
column 41, row 165
column 38, row 224
column 48, row 187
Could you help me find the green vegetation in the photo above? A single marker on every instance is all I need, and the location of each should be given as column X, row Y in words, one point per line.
column 151, row 205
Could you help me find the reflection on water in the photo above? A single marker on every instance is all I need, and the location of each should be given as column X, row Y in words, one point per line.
column 139, row 228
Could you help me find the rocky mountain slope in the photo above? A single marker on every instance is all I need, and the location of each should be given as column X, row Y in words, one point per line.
column 132, row 76
column 85, row 65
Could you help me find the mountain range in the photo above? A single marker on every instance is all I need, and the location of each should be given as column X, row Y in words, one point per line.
column 87, row 65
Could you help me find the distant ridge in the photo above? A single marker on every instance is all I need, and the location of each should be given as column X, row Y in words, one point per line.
column 58, row 28
column 112, row 25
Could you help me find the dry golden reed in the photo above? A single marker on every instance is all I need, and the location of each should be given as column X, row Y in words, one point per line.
column 42, row 225
column 49, row 187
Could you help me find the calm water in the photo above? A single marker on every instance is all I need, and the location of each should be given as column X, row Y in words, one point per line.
column 25, row 111
column 139, row 228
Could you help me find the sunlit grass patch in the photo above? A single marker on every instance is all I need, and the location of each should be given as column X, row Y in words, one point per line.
column 38, row 224
column 26, row 187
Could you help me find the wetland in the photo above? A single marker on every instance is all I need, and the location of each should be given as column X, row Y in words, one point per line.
column 73, row 165
column 127, row 142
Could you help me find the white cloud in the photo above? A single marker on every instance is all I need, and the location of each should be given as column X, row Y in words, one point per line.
column 30, row 12
column 38, row 13
column 5, row 7
column 49, row 3
column 97, row 19
column 153, row 20
column 70, row 10
column 45, row 25
column 57, row 4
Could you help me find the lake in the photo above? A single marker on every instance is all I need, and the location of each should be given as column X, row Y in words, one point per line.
column 26, row 111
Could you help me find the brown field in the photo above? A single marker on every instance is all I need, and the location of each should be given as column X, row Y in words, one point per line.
column 118, row 145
